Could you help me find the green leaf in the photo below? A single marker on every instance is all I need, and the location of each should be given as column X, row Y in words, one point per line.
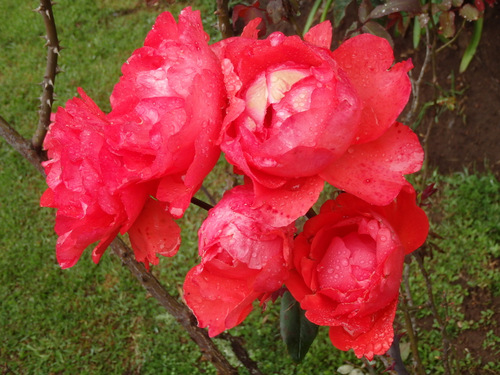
column 311, row 16
column 472, row 47
column 416, row 32
column 339, row 9
column 364, row 10
column 297, row 332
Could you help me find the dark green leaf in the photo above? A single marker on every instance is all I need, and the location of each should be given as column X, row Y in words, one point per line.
column 375, row 28
column 396, row 6
column 339, row 9
column 364, row 10
column 297, row 332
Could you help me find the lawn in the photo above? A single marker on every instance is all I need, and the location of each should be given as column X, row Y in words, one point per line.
column 97, row 319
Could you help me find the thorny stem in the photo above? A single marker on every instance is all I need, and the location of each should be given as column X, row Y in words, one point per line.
column 442, row 325
column 238, row 349
column 395, row 354
column 411, row 336
column 225, row 25
column 368, row 366
column 179, row 311
column 20, row 144
column 411, row 323
column 51, row 69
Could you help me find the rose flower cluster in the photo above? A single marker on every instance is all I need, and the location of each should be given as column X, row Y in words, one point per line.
column 290, row 115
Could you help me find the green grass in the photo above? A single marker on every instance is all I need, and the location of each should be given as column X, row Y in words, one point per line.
column 96, row 319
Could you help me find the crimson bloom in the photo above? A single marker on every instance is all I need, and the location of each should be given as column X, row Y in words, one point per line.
column 80, row 173
column 348, row 263
column 299, row 115
column 242, row 258
column 158, row 141
column 167, row 110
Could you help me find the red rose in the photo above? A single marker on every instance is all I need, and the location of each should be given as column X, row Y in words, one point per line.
column 167, row 110
column 157, row 141
column 348, row 263
column 80, row 172
column 296, row 110
column 242, row 259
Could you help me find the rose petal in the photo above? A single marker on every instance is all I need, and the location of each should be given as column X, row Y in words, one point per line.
column 375, row 171
column 282, row 206
column 218, row 302
column 375, row 341
column 384, row 90
column 320, row 35
column 154, row 232
column 250, row 30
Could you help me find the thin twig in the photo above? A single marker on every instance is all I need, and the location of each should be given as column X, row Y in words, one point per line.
column 210, row 197
column 51, row 69
column 21, row 145
column 178, row 310
column 416, row 85
column 448, row 43
column 412, row 337
column 240, row 351
column 411, row 324
column 201, row 204
column 225, row 26
column 311, row 213
column 442, row 324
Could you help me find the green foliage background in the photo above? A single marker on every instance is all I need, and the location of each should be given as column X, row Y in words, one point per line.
column 97, row 319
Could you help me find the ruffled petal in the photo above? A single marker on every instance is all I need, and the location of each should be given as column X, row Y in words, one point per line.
column 375, row 341
column 154, row 232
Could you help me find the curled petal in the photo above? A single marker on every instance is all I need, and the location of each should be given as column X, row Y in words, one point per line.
column 320, row 35
column 384, row 89
column 282, row 206
column 375, row 171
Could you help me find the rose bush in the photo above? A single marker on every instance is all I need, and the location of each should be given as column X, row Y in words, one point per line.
column 289, row 115
column 158, row 140
column 300, row 114
column 242, row 258
column 348, row 263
